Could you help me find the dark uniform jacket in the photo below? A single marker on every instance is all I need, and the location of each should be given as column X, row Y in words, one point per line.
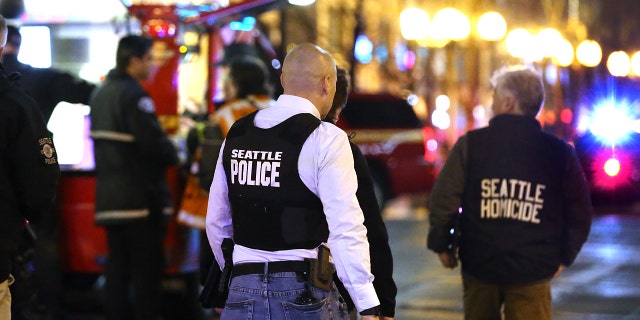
column 48, row 86
column 131, row 151
column 379, row 250
column 526, row 206
column 29, row 168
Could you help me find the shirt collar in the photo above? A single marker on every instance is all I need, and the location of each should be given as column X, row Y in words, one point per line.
column 519, row 121
column 297, row 105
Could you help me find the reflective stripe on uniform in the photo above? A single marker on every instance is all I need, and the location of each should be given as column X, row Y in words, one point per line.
column 122, row 214
column 129, row 214
column 112, row 135
column 192, row 220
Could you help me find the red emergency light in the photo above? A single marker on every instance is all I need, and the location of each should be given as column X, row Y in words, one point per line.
column 159, row 28
column 611, row 170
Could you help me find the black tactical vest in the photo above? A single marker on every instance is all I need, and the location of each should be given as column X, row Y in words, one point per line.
column 271, row 207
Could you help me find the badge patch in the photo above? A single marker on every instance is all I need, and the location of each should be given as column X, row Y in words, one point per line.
column 145, row 104
column 48, row 151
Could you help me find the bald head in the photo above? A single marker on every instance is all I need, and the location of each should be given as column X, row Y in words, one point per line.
column 309, row 72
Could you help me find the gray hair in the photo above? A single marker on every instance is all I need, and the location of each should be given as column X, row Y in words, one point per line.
column 524, row 84
column 3, row 31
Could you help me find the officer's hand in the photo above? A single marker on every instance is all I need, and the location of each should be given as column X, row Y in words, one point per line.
column 447, row 260
column 560, row 268
column 370, row 318
column 385, row 318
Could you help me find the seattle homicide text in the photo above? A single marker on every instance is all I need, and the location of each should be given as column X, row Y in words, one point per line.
column 511, row 199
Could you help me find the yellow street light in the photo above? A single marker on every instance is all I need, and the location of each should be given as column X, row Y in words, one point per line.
column 302, row 2
column 589, row 53
column 547, row 40
column 564, row 54
column 619, row 64
column 450, row 24
column 635, row 63
column 518, row 42
column 414, row 24
column 491, row 26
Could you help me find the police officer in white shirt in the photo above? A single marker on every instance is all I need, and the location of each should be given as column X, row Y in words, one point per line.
column 283, row 190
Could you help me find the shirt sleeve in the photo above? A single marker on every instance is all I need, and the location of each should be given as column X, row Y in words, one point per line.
column 446, row 197
column 218, row 221
column 33, row 161
column 336, row 187
column 63, row 86
column 577, row 208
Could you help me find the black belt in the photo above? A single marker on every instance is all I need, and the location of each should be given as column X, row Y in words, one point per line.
column 300, row 267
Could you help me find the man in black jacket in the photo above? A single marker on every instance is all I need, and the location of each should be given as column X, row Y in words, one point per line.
column 132, row 154
column 379, row 250
column 525, row 208
column 29, row 171
column 48, row 86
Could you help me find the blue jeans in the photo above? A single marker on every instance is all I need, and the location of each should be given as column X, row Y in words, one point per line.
column 273, row 296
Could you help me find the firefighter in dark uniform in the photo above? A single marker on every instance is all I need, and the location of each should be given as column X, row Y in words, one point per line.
column 132, row 154
column 525, row 206
column 29, row 171
column 284, row 187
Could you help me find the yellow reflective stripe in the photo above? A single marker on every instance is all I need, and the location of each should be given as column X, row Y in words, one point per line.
column 388, row 135
column 112, row 135
column 192, row 220
column 129, row 214
column 122, row 214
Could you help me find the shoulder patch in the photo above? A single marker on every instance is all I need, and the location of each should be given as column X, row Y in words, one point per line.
column 145, row 104
column 47, row 150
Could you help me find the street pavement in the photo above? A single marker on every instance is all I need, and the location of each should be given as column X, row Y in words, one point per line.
column 602, row 284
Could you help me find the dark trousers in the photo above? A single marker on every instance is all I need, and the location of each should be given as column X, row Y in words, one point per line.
column 135, row 265
column 43, row 280
column 48, row 270
column 487, row 301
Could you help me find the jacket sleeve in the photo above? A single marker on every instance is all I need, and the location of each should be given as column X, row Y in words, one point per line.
column 578, row 210
column 153, row 142
column 33, row 162
column 446, row 198
column 377, row 235
column 63, row 86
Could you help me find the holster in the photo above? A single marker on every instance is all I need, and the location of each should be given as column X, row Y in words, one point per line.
column 216, row 288
column 321, row 270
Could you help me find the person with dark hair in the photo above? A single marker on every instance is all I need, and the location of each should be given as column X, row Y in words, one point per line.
column 247, row 89
column 379, row 250
column 29, row 172
column 48, row 86
column 518, row 203
column 132, row 154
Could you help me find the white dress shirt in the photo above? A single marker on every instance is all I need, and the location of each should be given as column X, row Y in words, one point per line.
column 326, row 168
